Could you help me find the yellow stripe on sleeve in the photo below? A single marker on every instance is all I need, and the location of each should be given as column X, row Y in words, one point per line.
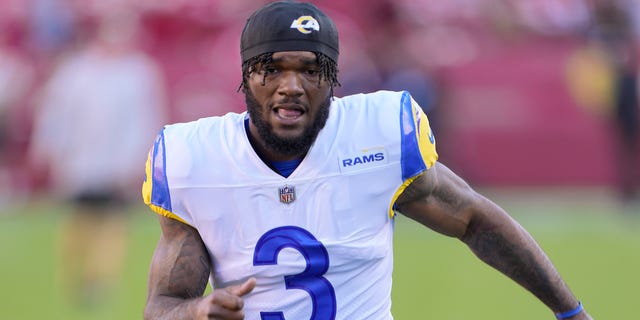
column 425, row 136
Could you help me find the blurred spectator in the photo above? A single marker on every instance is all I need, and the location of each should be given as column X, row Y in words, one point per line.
column 52, row 25
column 16, row 79
column 97, row 113
column 399, row 71
column 613, row 33
column 398, row 67
column 553, row 17
column 603, row 77
column 385, row 59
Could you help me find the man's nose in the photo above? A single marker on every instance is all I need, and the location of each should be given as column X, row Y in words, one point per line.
column 291, row 84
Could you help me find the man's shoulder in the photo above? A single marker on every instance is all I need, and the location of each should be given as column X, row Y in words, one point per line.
column 382, row 103
column 191, row 147
column 205, row 124
column 362, row 114
column 381, row 96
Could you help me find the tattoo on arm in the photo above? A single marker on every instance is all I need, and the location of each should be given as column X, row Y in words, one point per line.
column 523, row 261
column 439, row 200
column 514, row 261
column 191, row 268
column 444, row 202
column 201, row 285
column 439, row 186
column 179, row 272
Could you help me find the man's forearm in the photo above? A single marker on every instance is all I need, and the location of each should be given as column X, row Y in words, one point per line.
column 507, row 247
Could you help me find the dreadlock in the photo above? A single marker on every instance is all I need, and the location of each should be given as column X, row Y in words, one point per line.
column 328, row 70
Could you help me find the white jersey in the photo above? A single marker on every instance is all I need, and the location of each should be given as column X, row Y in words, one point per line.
column 319, row 242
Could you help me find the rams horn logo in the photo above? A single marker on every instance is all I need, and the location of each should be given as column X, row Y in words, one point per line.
column 305, row 24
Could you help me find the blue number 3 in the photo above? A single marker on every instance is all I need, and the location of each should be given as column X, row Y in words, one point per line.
column 311, row 279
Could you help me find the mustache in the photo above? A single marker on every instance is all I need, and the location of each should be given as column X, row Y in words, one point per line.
column 288, row 100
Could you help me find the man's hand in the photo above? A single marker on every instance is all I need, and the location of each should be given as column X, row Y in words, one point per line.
column 226, row 303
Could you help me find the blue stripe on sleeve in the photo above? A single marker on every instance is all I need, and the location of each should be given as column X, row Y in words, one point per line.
column 412, row 162
column 160, row 195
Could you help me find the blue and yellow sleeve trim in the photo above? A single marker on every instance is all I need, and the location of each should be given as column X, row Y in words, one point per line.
column 155, row 189
column 418, row 144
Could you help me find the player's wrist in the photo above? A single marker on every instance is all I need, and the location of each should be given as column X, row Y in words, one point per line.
column 570, row 313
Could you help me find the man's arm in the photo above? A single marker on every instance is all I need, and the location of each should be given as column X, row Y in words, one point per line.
column 178, row 277
column 442, row 201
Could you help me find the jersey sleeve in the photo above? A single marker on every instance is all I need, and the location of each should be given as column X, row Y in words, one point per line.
column 155, row 188
column 418, row 144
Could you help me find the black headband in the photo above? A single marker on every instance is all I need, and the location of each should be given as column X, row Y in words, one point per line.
column 289, row 26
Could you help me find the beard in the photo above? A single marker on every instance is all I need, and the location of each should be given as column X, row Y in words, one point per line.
column 286, row 146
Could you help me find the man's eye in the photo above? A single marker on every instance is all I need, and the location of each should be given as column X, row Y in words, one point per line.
column 269, row 70
column 312, row 72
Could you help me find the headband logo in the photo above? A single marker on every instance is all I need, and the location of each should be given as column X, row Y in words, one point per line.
column 305, row 24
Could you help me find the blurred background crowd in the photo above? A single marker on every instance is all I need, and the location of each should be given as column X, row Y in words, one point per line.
column 519, row 92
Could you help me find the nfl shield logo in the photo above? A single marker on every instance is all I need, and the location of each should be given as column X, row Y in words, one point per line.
column 287, row 194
